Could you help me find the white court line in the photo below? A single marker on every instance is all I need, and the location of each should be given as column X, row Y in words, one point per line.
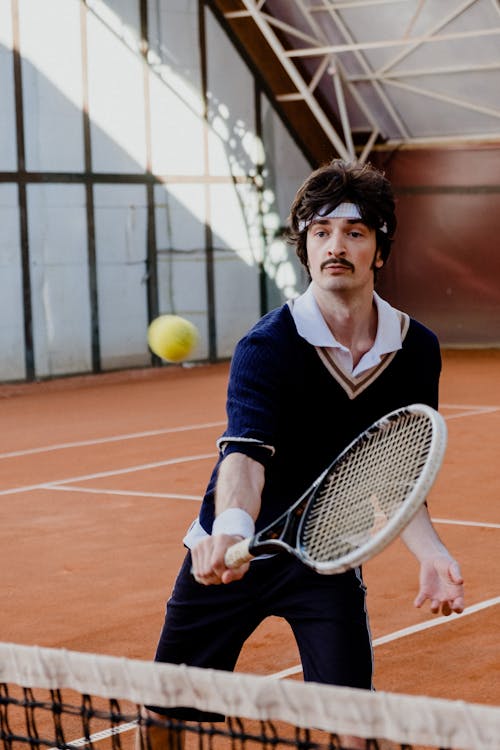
column 408, row 631
column 437, row 621
column 132, row 493
column 470, row 411
column 298, row 668
column 103, row 735
column 199, row 498
column 472, row 407
column 57, row 485
column 481, row 524
column 111, row 439
column 100, row 474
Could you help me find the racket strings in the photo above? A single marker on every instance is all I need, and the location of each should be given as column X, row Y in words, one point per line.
column 366, row 488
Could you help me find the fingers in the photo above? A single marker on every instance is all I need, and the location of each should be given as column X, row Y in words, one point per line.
column 455, row 604
column 234, row 574
column 209, row 567
column 446, row 607
column 419, row 599
column 458, row 605
column 435, row 605
column 214, row 578
column 455, row 574
column 441, row 583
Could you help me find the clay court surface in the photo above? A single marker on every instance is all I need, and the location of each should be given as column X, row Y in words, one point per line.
column 100, row 477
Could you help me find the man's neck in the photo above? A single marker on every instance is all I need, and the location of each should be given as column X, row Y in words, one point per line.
column 352, row 319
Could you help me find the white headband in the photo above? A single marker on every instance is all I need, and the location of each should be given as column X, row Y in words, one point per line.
column 342, row 211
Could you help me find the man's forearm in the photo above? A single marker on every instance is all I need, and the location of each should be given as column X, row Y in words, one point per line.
column 239, row 484
column 421, row 538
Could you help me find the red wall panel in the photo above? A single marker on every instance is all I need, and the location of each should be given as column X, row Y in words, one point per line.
column 444, row 268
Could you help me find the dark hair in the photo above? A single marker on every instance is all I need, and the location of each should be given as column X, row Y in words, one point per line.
column 344, row 182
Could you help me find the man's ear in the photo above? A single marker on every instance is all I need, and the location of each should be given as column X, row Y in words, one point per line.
column 378, row 261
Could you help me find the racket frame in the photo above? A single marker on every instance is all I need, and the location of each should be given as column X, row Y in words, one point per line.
column 286, row 530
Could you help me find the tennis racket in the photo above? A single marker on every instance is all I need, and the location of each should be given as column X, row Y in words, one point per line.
column 363, row 500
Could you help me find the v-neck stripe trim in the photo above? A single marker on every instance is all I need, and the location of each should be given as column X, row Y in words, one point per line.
column 353, row 386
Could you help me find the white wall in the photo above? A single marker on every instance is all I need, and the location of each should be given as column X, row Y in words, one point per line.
column 120, row 226
column 11, row 293
column 59, row 279
column 7, row 109
column 52, row 85
column 116, row 98
column 203, row 150
column 285, row 170
column 182, row 266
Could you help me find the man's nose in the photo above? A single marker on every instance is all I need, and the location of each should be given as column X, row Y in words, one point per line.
column 336, row 243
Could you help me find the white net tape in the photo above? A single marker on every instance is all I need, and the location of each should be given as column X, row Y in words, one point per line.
column 400, row 718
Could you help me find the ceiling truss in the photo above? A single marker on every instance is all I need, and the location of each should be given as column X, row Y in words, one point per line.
column 396, row 71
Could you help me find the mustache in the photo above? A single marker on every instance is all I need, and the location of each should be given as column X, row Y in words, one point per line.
column 337, row 262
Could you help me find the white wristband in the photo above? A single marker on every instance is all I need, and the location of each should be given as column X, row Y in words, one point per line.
column 235, row 522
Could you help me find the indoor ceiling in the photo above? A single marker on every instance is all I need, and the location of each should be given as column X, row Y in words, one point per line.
column 391, row 71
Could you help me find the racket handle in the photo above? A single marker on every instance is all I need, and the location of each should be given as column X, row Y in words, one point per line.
column 238, row 554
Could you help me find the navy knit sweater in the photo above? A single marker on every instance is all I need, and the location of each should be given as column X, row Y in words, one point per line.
column 281, row 394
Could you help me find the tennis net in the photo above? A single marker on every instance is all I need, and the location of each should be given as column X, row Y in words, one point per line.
column 53, row 698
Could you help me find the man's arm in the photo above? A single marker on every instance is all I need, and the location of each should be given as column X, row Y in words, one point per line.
column 440, row 578
column 239, row 488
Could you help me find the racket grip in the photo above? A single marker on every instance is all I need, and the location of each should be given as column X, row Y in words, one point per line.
column 238, row 554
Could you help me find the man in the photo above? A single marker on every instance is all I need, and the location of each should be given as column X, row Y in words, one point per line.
column 306, row 380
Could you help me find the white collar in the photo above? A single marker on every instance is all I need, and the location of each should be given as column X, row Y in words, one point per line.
column 312, row 327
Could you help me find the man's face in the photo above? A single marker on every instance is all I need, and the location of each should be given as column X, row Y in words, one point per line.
column 342, row 254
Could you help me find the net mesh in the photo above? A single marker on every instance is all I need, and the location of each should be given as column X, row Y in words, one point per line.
column 56, row 698
column 364, row 491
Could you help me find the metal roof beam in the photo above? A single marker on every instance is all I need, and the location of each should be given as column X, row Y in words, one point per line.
column 418, row 72
column 443, row 98
column 481, row 137
column 387, row 43
column 365, row 109
column 296, row 78
column 330, row 39
column 354, row 4
column 337, row 19
column 273, row 21
column 444, row 21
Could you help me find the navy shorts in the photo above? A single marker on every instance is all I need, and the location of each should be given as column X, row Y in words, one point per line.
column 206, row 626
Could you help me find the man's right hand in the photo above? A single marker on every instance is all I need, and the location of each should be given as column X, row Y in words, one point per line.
column 208, row 564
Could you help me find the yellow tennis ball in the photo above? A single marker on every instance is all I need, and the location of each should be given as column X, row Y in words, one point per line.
column 172, row 338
